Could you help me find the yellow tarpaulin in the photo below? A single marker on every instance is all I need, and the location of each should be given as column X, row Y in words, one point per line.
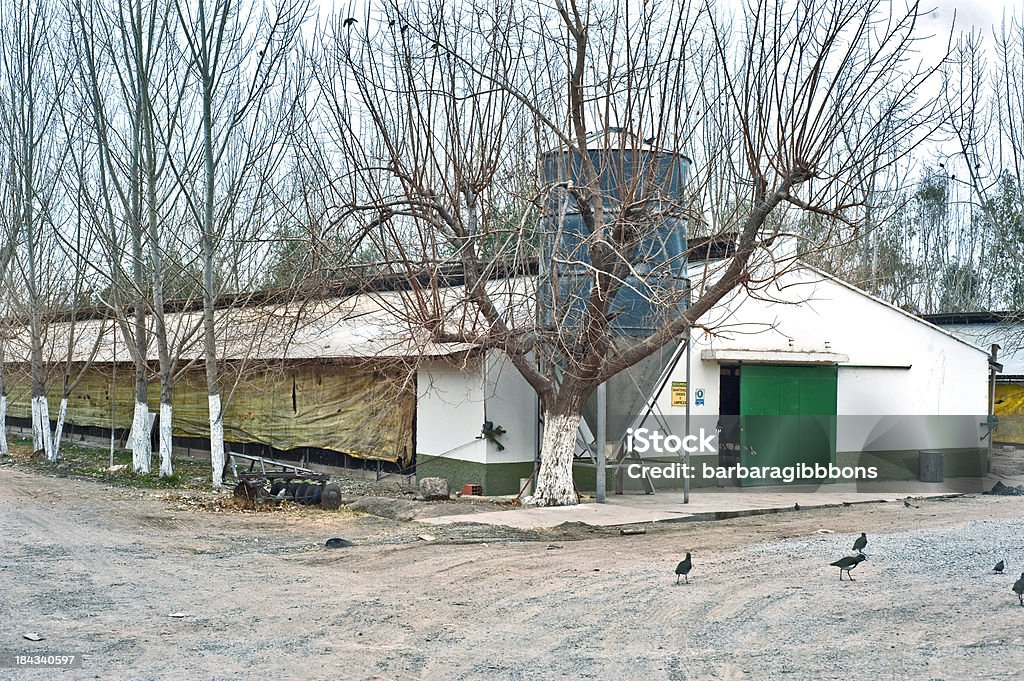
column 1009, row 408
column 362, row 412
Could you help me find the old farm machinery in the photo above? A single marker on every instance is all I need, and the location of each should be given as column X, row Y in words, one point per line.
column 290, row 483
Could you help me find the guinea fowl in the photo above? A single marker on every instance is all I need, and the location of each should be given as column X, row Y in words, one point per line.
column 847, row 563
column 1018, row 588
column 683, row 569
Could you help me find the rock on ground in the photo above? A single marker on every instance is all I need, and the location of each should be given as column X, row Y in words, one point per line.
column 434, row 489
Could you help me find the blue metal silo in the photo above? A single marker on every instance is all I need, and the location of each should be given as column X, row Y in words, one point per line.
column 642, row 189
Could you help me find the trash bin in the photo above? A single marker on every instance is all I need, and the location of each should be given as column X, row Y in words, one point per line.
column 930, row 466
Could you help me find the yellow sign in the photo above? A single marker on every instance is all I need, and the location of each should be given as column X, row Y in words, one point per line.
column 678, row 393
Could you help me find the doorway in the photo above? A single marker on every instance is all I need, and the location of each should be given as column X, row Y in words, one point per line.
column 729, row 416
column 787, row 417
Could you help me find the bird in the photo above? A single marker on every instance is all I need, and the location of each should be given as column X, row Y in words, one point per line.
column 861, row 542
column 348, row 22
column 796, row 506
column 1018, row 588
column 337, row 543
column 683, row 569
column 847, row 563
column 998, row 569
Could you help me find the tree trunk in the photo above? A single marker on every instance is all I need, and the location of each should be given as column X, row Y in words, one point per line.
column 142, row 450
column 216, row 441
column 4, row 451
column 41, row 441
column 207, row 68
column 37, row 431
column 58, row 431
column 166, row 440
column 554, row 479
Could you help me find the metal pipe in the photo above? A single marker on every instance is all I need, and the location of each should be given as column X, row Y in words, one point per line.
column 993, row 368
column 689, row 397
column 602, row 439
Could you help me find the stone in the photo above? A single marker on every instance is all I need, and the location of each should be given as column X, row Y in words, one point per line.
column 434, row 489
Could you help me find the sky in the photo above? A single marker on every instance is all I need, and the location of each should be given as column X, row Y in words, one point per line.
column 983, row 14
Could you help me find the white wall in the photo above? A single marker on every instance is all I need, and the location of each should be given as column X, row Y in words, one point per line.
column 450, row 410
column 510, row 402
column 898, row 365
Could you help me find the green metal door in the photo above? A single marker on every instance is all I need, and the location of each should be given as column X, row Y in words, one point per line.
column 787, row 417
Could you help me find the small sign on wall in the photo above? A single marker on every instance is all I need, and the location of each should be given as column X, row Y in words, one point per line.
column 698, row 397
column 678, row 393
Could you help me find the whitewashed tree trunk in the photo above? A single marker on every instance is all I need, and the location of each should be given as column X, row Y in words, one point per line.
column 41, row 427
column 4, row 451
column 166, row 441
column 142, row 451
column 37, row 432
column 58, row 431
column 554, row 479
column 216, row 441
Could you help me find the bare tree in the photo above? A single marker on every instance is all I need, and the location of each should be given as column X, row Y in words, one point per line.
column 129, row 63
column 489, row 139
column 238, row 66
column 34, row 78
column 985, row 111
column 6, row 253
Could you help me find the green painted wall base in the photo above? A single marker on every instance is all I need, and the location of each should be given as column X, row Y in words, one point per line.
column 495, row 478
column 902, row 464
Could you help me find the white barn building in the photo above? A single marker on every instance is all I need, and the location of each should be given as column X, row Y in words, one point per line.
column 862, row 383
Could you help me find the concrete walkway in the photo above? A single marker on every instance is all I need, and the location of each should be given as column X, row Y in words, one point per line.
column 714, row 503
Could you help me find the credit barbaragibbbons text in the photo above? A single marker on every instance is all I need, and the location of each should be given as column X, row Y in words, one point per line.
column 653, row 442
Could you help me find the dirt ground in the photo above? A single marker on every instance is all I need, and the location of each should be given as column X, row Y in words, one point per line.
column 98, row 570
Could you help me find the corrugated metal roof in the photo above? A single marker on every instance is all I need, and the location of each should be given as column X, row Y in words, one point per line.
column 1010, row 337
column 362, row 326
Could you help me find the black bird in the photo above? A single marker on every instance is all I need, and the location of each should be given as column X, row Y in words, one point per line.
column 1018, row 588
column 796, row 506
column 847, row 563
column 861, row 542
column 683, row 569
column 998, row 569
column 348, row 22
column 337, row 543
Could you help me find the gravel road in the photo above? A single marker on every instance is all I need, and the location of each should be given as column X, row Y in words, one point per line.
column 98, row 570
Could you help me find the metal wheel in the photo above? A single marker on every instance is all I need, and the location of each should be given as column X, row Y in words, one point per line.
column 330, row 496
